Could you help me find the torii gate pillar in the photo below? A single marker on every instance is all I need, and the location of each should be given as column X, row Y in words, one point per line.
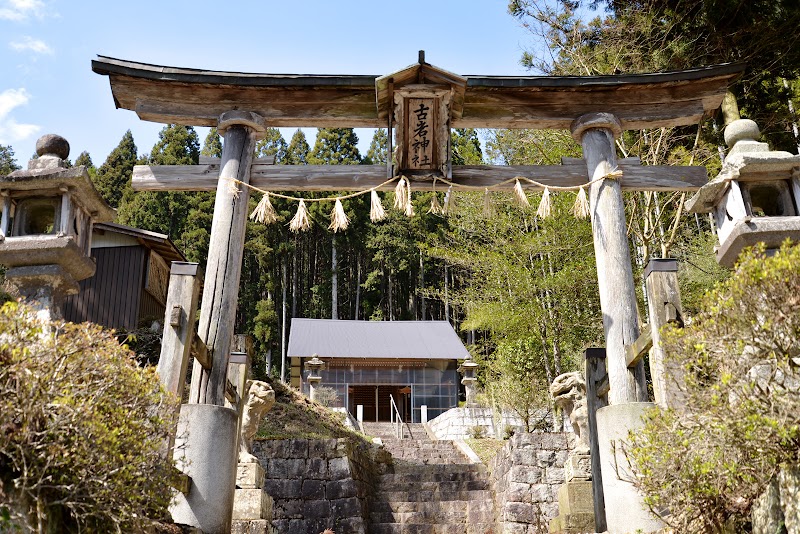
column 625, row 508
column 240, row 130
column 207, row 430
column 596, row 133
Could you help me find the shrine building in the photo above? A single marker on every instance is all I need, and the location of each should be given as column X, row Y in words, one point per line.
column 366, row 362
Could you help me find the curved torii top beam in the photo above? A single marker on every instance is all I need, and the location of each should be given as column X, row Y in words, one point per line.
column 198, row 97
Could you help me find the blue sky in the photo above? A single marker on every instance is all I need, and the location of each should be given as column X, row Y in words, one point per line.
column 46, row 46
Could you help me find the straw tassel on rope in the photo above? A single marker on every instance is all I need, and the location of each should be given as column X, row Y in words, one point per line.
column 545, row 205
column 339, row 220
column 265, row 211
column 376, row 211
column 435, row 208
column 520, row 195
column 300, row 220
column 401, row 195
column 409, row 204
column 449, row 202
column 581, row 207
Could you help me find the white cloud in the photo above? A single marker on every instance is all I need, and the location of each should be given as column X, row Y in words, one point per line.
column 21, row 9
column 29, row 43
column 10, row 129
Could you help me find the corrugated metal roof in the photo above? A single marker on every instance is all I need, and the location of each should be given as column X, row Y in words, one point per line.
column 330, row 338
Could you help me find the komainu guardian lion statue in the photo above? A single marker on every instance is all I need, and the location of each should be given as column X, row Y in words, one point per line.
column 569, row 393
column 260, row 399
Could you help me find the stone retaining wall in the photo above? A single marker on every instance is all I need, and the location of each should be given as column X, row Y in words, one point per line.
column 319, row 484
column 458, row 423
column 526, row 475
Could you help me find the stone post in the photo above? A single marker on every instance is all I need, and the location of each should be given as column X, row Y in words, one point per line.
column 596, row 133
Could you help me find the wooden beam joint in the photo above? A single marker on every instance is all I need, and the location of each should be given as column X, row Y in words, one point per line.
column 200, row 352
column 636, row 350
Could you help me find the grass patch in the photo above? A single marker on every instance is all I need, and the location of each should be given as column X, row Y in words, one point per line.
column 486, row 448
column 295, row 416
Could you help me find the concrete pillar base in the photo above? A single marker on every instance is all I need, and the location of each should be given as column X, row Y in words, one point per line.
column 625, row 508
column 206, row 450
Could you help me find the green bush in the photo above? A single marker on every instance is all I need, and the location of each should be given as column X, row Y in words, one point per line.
column 81, row 427
column 707, row 461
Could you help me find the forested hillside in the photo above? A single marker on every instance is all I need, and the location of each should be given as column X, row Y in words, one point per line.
column 520, row 288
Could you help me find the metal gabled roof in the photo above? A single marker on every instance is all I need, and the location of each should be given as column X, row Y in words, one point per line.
column 329, row 338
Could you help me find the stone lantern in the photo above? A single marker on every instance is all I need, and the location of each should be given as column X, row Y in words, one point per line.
column 46, row 227
column 754, row 198
column 314, row 366
column 467, row 370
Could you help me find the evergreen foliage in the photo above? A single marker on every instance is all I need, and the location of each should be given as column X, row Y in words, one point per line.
column 465, row 147
column 272, row 144
column 212, row 146
column 84, row 159
column 113, row 177
column 7, row 162
column 298, row 149
column 378, row 148
column 335, row 146
column 185, row 217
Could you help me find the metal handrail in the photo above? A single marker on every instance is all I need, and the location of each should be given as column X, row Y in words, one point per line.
column 394, row 417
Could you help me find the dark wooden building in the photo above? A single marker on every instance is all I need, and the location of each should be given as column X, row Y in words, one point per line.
column 129, row 287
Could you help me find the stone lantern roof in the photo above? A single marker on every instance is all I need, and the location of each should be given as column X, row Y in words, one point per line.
column 49, row 171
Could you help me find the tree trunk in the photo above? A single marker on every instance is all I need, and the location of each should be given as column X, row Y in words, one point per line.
column 358, row 288
column 334, row 281
column 446, row 297
column 295, row 279
column 391, row 300
column 284, row 306
column 423, row 313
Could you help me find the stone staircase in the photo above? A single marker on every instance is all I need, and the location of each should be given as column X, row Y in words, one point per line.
column 431, row 489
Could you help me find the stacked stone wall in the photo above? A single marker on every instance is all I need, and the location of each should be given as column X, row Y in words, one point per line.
column 526, row 475
column 318, row 484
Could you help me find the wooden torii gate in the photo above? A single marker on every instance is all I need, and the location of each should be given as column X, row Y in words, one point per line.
column 595, row 108
column 420, row 104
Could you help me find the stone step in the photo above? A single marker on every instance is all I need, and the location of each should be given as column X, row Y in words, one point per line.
column 432, row 488
column 483, row 506
column 404, row 467
column 449, row 476
column 443, row 486
column 387, row 430
column 435, row 497
column 396, row 528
